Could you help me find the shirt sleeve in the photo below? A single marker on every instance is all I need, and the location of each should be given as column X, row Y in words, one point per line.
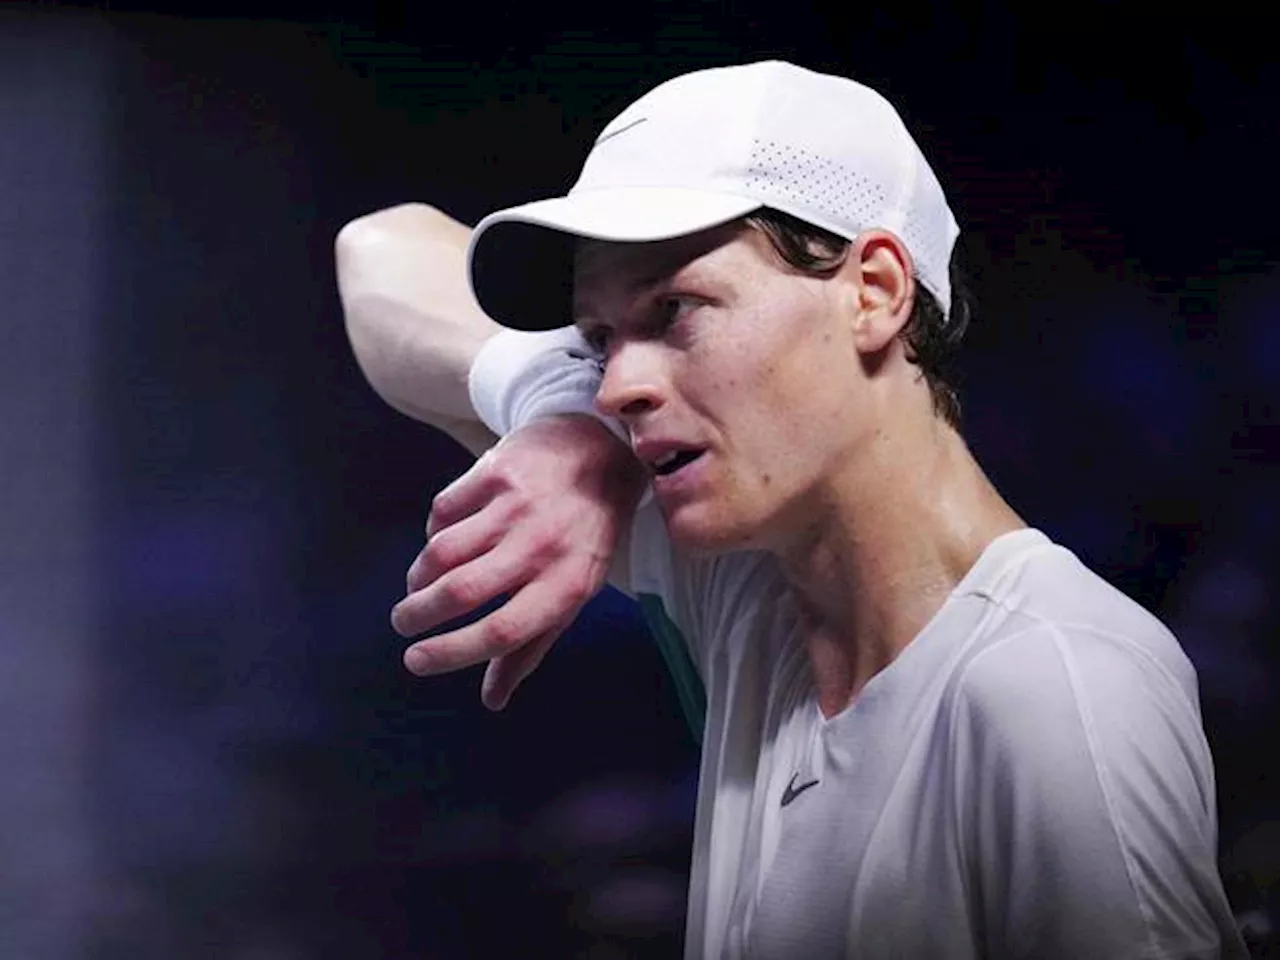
column 1086, row 792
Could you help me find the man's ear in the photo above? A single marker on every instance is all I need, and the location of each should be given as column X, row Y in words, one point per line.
column 884, row 286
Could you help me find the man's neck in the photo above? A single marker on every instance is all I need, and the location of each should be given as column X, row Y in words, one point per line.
column 887, row 543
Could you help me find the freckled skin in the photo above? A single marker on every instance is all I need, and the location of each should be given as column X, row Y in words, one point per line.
column 765, row 374
column 823, row 447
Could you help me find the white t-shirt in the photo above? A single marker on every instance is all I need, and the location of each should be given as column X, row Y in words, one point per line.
column 1029, row 778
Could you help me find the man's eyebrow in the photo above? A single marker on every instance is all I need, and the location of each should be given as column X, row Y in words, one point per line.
column 669, row 262
column 583, row 314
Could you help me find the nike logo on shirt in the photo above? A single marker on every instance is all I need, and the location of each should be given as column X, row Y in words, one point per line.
column 793, row 791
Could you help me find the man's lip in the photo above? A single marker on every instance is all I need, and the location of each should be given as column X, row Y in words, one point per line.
column 678, row 463
column 680, row 478
column 651, row 452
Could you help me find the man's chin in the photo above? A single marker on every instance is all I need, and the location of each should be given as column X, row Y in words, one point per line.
column 703, row 536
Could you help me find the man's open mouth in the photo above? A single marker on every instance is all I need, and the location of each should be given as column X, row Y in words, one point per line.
column 675, row 460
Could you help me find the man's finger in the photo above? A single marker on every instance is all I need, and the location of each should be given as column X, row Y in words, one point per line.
column 464, row 589
column 504, row 674
column 534, row 610
column 463, row 497
column 455, row 545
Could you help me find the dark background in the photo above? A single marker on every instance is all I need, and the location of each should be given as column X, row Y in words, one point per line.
column 209, row 746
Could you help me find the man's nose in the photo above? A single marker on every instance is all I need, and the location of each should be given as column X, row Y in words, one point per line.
column 632, row 384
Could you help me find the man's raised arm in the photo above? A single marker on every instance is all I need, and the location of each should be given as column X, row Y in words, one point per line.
column 544, row 517
column 414, row 326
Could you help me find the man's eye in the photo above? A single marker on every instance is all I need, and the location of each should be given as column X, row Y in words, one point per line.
column 670, row 309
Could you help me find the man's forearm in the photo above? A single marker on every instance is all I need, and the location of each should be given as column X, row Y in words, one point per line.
column 413, row 324
column 417, row 331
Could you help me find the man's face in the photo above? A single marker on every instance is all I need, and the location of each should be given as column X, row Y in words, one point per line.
column 745, row 368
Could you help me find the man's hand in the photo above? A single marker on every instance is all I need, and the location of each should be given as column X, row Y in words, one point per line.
column 537, row 518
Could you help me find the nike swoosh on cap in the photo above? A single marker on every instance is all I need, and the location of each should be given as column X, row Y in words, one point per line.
column 610, row 134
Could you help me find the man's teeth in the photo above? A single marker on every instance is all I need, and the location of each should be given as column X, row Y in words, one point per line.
column 665, row 459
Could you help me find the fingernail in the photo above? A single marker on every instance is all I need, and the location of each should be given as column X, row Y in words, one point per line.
column 417, row 661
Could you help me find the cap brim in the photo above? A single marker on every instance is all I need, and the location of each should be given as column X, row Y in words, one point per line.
column 520, row 260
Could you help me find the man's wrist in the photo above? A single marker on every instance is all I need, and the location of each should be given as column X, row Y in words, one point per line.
column 607, row 457
column 520, row 376
column 623, row 468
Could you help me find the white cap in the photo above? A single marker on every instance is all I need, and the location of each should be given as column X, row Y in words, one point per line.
column 708, row 147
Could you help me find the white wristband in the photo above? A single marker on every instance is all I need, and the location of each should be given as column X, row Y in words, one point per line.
column 519, row 376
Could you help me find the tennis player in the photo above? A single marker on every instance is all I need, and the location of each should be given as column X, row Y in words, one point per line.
column 928, row 731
